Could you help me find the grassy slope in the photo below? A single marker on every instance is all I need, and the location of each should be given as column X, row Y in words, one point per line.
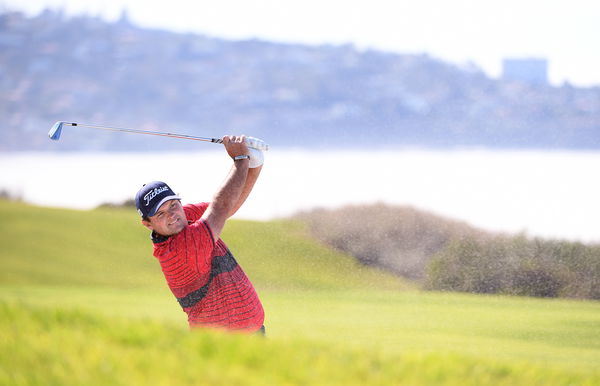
column 92, row 310
column 109, row 247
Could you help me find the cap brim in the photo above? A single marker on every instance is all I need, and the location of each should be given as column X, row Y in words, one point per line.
column 155, row 209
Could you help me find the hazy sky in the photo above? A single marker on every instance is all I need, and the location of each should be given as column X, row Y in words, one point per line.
column 483, row 32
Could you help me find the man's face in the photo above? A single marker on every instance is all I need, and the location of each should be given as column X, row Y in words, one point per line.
column 168, row 220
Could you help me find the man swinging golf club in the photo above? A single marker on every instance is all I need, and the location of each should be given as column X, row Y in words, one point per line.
column 200, row 270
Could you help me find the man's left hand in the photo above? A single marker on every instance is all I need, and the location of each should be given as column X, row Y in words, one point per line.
column 256, row 158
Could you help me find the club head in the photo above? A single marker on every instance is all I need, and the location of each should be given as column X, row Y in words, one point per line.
column 55, row 131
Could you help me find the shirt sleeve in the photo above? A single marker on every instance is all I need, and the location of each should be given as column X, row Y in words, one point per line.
column 193, row 212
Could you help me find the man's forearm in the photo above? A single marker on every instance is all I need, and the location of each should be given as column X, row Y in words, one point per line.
column 227, row 197
column 251, row 178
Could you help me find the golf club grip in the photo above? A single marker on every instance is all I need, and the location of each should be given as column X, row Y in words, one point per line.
column 251, row 142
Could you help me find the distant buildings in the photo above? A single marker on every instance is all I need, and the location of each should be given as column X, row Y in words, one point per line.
column 527, row 70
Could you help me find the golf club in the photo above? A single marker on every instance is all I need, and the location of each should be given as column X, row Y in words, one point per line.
column 56, row 131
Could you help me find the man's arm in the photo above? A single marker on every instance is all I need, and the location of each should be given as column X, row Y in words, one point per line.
column 225, row 201
column 251, row 178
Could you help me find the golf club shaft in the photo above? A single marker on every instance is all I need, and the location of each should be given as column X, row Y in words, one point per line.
column 158, row 133
column 56, row 131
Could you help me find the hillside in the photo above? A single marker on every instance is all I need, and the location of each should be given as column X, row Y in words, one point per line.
column 396, row 238
column 84, row 69
column 109, row 248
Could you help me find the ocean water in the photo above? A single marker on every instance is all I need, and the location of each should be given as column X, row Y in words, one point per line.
column 542, row 193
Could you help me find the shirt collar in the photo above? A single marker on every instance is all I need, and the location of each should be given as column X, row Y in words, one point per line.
column 156, row 238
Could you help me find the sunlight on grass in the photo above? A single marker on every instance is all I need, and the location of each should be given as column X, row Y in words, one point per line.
column 86, row 303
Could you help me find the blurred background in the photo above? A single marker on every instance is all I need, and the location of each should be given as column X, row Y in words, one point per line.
column 488, row 112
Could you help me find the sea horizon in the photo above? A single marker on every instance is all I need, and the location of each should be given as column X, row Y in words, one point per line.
column 542, row 193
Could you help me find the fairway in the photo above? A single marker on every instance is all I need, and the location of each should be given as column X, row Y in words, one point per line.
column 329, row 320
column 514, row 340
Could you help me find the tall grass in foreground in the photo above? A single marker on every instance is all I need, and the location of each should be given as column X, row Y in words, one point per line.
column 71, row 347
column 522, row 334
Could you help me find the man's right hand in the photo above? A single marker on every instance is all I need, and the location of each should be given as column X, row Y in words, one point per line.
column 235, row 145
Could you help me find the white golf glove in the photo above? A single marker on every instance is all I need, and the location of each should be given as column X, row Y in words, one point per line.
column 256, row 158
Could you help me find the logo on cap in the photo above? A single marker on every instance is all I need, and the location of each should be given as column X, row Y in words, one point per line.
column 153, row 193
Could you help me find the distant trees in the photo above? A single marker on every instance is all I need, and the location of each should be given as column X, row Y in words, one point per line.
column 8, row 195
column 517, row 266
column 128, row 203
column 447, row 255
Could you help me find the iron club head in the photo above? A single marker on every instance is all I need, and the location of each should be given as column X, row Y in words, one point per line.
column 55, row 131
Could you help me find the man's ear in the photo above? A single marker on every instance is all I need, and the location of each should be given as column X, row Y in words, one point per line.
column 147, row 224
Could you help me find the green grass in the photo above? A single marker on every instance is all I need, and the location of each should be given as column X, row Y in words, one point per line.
column 73, row 347
column 88, row 305
column 109, row 247
column 321, row 337
column 53, row 246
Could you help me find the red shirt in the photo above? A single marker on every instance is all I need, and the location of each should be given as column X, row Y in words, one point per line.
column 205, row 278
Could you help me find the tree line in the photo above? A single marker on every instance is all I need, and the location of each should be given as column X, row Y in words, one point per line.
column 448, row 255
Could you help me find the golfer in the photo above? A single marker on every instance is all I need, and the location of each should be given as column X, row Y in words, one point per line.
column 200, row 270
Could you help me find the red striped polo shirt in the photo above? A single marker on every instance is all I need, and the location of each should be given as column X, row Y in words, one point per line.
column 206, row 279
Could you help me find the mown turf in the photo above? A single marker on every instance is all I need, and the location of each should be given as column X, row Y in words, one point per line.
column 83, row 302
